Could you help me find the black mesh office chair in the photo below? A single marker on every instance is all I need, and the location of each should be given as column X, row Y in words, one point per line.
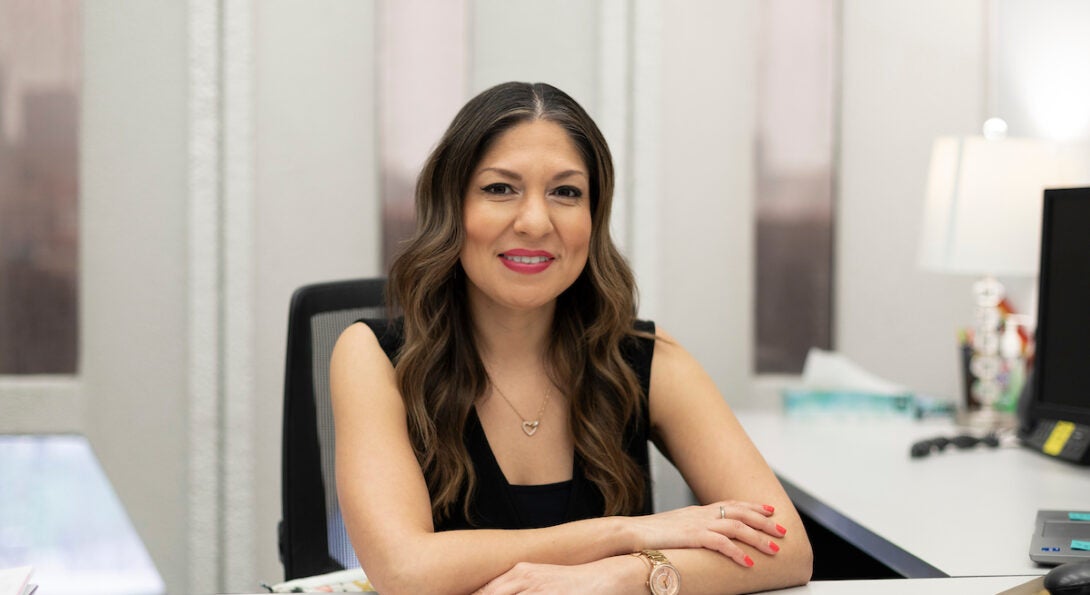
column 311, row 533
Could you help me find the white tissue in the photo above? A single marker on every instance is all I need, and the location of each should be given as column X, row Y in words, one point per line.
column 831, row 371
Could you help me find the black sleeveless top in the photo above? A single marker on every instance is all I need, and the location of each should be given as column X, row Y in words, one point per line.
column 499, row 505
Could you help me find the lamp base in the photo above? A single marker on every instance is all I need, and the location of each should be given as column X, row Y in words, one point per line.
column 986, row 419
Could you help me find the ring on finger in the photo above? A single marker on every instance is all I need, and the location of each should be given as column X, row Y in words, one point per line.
column 722, row 512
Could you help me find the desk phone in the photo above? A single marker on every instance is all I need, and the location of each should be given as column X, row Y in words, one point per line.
column 1061, row 439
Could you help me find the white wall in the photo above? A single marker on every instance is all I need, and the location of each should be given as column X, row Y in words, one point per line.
column 533, row 41
column 1042, row 57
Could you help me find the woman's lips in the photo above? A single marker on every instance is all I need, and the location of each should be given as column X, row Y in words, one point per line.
column 527, row 261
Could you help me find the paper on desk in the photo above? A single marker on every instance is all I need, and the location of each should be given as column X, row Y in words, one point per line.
column 13, row 581
column 1035, row 586
column 831, row 371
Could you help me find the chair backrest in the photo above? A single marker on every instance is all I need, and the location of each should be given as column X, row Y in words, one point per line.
column 312, row 536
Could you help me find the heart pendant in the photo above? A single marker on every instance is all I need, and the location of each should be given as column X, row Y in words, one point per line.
column 530, row 427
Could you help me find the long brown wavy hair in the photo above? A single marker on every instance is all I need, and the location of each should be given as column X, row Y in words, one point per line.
column 439, row 369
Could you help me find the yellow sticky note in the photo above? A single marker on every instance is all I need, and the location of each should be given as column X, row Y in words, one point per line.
column 1058, row 438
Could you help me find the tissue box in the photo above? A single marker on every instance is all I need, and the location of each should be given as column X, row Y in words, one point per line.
column 839, row 402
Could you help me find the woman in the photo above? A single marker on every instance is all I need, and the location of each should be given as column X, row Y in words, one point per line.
column 505, row 448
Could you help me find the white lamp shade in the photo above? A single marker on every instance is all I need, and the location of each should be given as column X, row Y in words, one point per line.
column 982, row 214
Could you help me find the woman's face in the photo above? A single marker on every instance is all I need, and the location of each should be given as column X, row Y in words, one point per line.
column 527, row 218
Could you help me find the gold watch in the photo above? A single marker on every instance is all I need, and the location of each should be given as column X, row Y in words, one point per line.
column 664, row 578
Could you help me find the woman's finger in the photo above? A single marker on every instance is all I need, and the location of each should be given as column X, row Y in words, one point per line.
column 754, row 515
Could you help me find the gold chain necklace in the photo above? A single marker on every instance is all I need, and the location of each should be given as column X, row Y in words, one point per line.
column 529, row 426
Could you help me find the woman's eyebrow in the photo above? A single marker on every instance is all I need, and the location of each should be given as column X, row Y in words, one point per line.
column 499, row 170
column 569, row 174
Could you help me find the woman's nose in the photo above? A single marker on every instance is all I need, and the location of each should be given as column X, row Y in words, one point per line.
column 533, row 217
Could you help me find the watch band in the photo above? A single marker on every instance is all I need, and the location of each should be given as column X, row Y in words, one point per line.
column 655, row 557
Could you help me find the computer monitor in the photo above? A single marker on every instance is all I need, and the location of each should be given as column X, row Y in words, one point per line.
column 1057, row 415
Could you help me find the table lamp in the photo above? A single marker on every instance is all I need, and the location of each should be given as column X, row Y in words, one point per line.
column 982, row 216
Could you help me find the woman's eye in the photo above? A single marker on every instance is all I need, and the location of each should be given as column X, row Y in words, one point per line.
column 569, row 192
column 497, row 188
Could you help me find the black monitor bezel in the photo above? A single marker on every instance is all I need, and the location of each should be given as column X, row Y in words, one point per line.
column 1039, row 408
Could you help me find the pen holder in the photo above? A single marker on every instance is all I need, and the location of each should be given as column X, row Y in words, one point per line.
column 969, row 402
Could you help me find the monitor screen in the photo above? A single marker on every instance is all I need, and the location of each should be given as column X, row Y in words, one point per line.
column 1062, row 368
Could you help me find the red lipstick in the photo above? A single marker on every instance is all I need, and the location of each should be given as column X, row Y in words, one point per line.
column 527, row 262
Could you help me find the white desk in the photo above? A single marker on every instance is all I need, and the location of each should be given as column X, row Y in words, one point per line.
column 981, row 585
column 966, row 513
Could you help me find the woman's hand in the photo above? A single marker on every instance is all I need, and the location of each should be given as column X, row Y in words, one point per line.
column 717, row 527
column 619, row 574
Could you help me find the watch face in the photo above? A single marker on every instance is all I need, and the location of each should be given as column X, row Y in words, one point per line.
column 665, row 580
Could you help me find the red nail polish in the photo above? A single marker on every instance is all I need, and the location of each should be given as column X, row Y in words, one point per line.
column 772, row 546
column 749, row 562
column 781, row 529
column 769, row 508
